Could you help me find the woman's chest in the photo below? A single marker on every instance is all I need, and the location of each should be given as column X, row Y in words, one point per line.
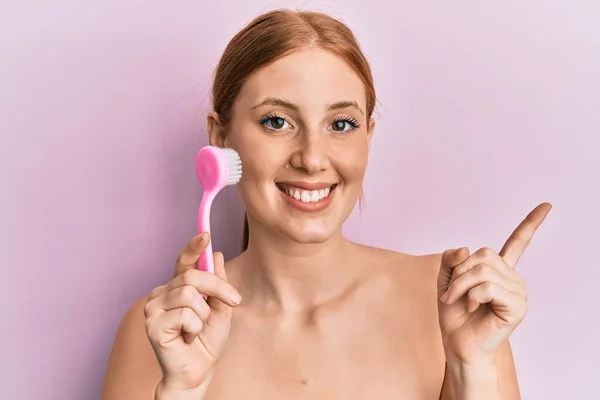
column 351, row 361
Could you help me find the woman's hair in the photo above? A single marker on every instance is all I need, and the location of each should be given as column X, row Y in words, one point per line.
column 274, row 35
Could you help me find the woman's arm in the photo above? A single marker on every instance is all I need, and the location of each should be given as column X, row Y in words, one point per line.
column 133, row 371
column 493, row 382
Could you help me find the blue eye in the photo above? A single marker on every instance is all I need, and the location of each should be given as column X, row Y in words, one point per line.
column 344, row 125
column 274, row 122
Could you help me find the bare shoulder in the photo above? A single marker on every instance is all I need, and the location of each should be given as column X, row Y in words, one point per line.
column 409, row 281
column 133, row 370
column 419, row 269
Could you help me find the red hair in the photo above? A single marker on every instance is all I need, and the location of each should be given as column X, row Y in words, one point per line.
column 274, row 35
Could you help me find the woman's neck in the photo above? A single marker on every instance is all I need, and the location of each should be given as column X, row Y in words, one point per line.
column 286, row 276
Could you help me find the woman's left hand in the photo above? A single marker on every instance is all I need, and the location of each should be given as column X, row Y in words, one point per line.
column 481, row 299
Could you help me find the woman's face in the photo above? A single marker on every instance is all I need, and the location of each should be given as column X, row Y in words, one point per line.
column 301, row 130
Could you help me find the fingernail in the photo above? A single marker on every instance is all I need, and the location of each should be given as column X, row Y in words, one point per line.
column 444, row 297
column 236, row 298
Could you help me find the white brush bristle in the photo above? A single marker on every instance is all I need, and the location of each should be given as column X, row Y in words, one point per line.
column 235, row 166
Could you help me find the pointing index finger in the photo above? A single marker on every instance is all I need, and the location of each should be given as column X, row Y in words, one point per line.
column 521, row 237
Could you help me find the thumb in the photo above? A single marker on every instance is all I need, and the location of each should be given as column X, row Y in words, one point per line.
column 450, row 259
column 188, row 257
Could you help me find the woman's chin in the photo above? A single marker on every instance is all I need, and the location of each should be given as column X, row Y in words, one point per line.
column 308, row 234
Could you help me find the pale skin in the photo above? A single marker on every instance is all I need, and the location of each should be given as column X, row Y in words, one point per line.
column 320, row 317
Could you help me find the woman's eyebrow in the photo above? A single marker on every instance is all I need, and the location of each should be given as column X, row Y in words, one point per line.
column 274, row 101
column 346, row 104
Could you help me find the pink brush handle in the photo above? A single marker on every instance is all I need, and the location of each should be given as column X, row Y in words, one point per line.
column 206, row 261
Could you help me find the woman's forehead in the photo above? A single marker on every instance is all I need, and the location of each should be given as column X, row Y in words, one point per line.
column 305, row 77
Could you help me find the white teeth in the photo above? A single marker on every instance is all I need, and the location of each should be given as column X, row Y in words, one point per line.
column 305, row 198
column 314, row 196
column 308, row 196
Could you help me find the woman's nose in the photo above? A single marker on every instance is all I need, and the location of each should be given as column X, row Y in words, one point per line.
column 312, row 154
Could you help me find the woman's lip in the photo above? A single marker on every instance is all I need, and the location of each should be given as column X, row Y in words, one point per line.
column 312, row 206
column 306, row 185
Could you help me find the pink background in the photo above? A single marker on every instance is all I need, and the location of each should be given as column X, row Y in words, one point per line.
column 486, row 110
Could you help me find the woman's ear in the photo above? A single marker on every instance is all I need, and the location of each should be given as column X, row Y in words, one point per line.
column 216, row 133
column 371, row 130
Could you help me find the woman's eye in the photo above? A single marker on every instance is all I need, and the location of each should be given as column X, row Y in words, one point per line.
column 275, row 123
column 343, row 126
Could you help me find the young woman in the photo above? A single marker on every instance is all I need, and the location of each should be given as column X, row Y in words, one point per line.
column 303, row 313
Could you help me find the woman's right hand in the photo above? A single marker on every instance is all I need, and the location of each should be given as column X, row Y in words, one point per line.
column 187, row 332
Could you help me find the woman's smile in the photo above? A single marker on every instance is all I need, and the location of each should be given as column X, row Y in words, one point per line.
column 307, row 196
